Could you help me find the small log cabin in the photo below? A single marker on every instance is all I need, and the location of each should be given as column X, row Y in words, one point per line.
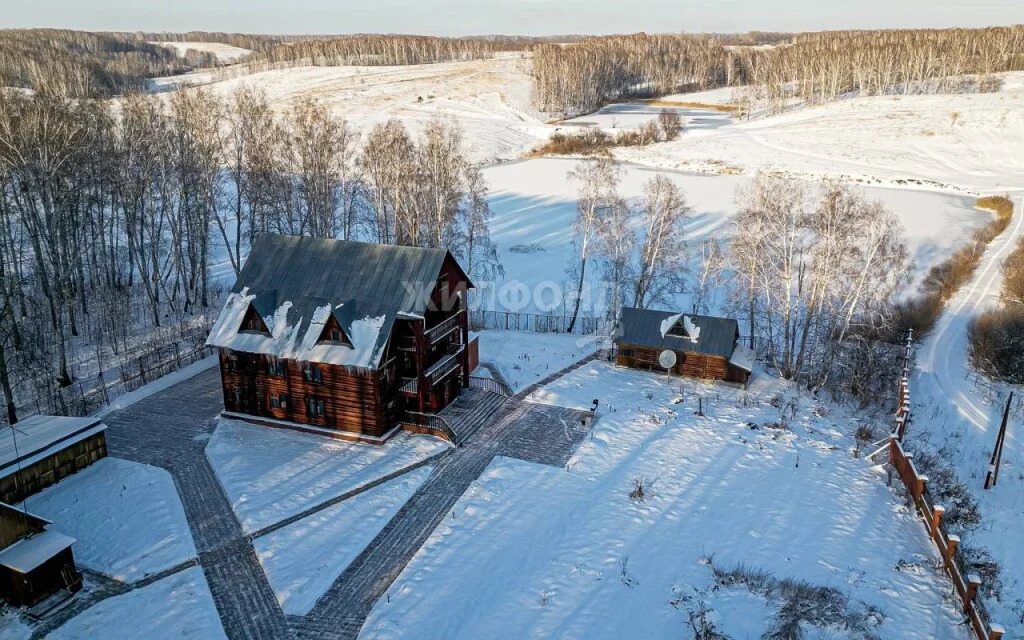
column 343, row 338
column 40, row 451
column 35, row 560
column 705, row 346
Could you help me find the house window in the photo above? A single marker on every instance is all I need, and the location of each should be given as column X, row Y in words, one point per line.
column 236, row 393
column 314, row 407
column 274, row 366
column 627, row 353
column 678, row 331
column 278, row 401
column 312, row 373
column 233, row 364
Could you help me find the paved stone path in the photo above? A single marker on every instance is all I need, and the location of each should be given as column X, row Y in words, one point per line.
column 170, row 430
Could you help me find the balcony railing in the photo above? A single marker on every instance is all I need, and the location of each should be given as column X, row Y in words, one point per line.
column 442, row 329
column 437, row 371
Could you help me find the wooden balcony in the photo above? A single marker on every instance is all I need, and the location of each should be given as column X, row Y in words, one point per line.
column 436, row 372
column 434, row 334
column 442, row 329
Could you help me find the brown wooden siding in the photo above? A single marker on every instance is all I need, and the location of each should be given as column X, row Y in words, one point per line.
column 695, row 365
column 49, row 577
column 349, row 395
column 15, row 524
column 52, row 469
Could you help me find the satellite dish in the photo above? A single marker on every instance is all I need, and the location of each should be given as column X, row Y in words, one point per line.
column 667, row 359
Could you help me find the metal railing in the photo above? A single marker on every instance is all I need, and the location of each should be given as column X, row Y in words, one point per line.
column 491, row 385
column 432, row 422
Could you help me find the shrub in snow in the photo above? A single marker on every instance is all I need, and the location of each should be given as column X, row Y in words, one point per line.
column 637, row 493
column 802, row 604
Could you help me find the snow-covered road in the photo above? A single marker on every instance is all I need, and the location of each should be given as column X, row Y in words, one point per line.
column 955, row 412
column 942, row 360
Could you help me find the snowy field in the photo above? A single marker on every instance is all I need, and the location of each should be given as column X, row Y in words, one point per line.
column 632, row 115
column 523, row 357
column 972, row 141
column 270, row 474
column 303, row 559
column 127, row 518
column 178, row 607
column 226, row 54
column 535, row 206
column 490, row 98
column 550, row 552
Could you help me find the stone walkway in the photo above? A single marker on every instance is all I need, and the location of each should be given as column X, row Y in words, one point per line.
column 170, row 430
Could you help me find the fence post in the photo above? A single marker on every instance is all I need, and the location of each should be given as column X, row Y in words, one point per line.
column 951, row 546
column 937, row 512
column 995, row 631
column 919, row 488
column 973, row 582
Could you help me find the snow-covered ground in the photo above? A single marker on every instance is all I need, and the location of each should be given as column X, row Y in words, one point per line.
column 537, row 551
column 270, row 474
column 970, row 141
column 523, row 357
column 960, row 412
column 226, row 54
column 535, row 206
column 632, row 115
column 303, row 559
column 490, row 98
column 177, row 607
column 127, row 518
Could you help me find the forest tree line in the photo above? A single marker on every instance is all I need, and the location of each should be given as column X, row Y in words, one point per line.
column 111, row 213
column 81, row 64
column 377, row 50
column 813, row 67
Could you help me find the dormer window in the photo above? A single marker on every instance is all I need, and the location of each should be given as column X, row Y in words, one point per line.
column 253, row 323
column 333, row 333
column 678, row 330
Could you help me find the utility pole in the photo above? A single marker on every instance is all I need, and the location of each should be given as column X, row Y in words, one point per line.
column 997, row 453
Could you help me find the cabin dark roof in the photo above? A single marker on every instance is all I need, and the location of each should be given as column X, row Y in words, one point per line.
column 357, row 280
column 642, row 327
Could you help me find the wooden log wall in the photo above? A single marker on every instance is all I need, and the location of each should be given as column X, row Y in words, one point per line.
column 350, row 396
column 52, row 469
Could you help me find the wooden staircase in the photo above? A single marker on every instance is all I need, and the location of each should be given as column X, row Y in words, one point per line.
column 471, row 411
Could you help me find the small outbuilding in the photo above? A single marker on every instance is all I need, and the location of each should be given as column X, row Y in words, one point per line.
column 36, row 561
column 40, row 451
column 703, row 346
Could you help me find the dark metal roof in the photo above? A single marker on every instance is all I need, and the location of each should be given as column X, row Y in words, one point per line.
column 370, row 279
column 642, row 327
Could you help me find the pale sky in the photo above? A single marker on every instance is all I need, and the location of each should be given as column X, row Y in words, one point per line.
column 527, row 17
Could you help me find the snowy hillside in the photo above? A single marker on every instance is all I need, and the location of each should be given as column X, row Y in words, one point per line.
column 968, row 141
column 226, row 54
column 490, row 98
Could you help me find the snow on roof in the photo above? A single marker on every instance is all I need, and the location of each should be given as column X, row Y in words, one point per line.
column 743, row 357
column 37, row 437
column 669, row 322
column 295, row 284
column 28, row 553
column 295, row 330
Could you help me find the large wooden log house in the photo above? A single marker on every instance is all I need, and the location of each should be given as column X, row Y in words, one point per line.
column 705, row 346
column 343, row 338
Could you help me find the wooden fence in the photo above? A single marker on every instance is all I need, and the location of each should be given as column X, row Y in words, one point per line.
column 539, row 323
column 85, row 396
column 965, row 584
